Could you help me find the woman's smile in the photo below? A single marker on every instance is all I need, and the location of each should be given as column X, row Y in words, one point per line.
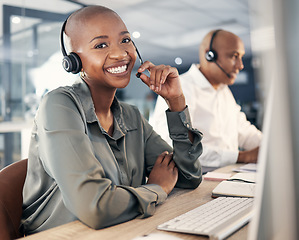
column 119, row 69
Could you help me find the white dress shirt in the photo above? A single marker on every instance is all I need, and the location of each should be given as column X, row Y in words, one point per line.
column 217, row 115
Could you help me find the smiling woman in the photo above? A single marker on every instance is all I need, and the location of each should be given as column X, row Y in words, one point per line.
column 31, row 59
column 83, row 161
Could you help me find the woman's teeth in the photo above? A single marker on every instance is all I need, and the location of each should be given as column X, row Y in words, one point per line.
column 117, row 69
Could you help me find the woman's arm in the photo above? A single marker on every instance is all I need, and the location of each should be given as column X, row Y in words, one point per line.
column 164, row 80
column 68, row 157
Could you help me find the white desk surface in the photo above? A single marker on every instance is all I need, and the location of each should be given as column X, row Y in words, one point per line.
column 15, row 126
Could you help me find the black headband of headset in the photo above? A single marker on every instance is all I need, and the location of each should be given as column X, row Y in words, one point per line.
column 61, row 39
column 213, row 36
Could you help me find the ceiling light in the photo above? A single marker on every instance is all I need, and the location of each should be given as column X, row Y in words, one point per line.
column 136, row 34
column 178, row 60
column 15, row 20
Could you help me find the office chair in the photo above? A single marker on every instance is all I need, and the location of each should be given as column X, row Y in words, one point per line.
column 12, row 180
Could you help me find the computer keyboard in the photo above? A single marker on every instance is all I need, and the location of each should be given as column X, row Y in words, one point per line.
column 217, row 219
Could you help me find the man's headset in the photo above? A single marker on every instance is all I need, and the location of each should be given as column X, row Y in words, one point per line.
column 211, row 54
column 72, row 62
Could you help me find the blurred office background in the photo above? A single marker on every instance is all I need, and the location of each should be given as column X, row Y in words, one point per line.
column 165, row 32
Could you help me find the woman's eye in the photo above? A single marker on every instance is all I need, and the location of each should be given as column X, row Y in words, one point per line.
column 126, row 40
column 101, row 45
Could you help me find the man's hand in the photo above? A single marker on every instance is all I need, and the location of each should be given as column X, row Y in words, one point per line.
column 249, row 156
column 164, row 172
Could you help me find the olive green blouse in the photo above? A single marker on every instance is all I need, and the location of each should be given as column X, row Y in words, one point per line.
column 77, row 171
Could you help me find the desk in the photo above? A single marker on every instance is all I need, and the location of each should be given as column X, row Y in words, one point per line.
column 178, row 202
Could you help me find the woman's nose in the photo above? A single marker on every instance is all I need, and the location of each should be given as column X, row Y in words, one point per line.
column 118, row 52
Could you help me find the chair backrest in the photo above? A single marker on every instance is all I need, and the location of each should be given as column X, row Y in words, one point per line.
column 12, row 180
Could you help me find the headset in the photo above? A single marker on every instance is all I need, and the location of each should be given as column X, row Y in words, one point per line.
column 72, row 62
column 211, row 54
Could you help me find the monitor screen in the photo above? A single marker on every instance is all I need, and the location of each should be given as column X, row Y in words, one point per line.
column 276, row 43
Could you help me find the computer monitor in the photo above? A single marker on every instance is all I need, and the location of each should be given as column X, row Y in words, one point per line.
column 277, row 196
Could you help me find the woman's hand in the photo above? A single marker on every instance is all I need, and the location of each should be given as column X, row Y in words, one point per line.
column 164, row 172
column 165, row 81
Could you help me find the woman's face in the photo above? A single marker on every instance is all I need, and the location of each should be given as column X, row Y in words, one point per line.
column 106, row 51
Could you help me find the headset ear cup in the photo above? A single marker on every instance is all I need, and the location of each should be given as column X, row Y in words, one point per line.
column 211, row 56
column 72, row 63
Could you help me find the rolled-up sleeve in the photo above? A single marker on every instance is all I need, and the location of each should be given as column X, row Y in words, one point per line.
column 185, row 152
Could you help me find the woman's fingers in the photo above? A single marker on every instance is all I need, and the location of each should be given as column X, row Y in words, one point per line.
column 157, row 75
column 167, row 158
column 161, row 157
column 164, row 172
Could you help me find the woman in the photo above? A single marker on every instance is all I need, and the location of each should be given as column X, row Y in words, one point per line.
column 94, row 158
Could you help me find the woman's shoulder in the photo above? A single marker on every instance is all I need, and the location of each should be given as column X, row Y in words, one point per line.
column 59, row 90
column 63, row 91
column 60, row 95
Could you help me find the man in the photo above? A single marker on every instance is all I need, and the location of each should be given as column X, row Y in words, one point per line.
column 213, row 109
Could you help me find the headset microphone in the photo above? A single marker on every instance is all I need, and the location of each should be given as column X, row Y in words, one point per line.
column 140, row 59
column 211, row 55
column 223, row 70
